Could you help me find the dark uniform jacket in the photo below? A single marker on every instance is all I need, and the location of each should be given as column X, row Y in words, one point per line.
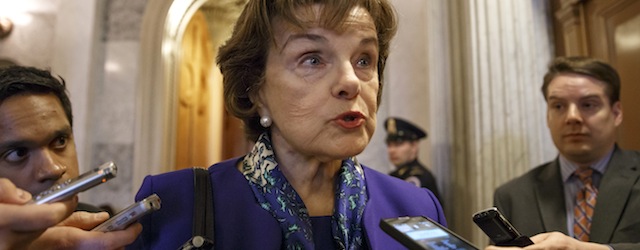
column 419, row 175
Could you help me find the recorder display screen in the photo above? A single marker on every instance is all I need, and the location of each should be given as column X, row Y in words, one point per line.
column 429, row 235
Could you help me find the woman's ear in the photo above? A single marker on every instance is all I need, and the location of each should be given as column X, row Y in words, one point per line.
column 257, row 98
column 254, row 92
column 263, row 110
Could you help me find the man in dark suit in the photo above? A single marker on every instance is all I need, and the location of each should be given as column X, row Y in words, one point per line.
column 598, row 210
column 403, row 145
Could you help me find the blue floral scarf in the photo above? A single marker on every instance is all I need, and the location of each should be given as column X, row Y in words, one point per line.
column 276, row 195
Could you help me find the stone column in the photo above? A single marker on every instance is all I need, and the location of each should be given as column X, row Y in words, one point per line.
column 500, row 50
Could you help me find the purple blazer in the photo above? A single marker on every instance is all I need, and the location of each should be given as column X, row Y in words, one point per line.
column 240, row 222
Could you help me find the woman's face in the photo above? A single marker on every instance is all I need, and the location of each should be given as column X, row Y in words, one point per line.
column 321, row 87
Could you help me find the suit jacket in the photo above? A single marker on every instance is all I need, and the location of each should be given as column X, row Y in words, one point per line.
column 534, row 202
column 240, row 222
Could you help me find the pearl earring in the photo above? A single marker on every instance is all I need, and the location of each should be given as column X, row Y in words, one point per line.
column 265, row 121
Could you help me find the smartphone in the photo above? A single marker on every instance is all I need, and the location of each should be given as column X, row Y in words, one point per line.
column 130, row 214
column 76, row 185
column 499, row 229
column 419, row 233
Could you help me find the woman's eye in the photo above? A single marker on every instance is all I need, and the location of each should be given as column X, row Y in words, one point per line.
column 16, row 155
column 364, row 62
column 312, row 60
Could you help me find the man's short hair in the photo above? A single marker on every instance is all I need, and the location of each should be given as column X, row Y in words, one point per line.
column 588, row 67
column 21, row 80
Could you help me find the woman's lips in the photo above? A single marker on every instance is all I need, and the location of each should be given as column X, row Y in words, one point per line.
column 350, row 120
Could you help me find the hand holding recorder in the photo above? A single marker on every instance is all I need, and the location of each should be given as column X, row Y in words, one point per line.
column 20, row 224
column 130, row 214
column 76, row 185
column 73, row 233
column 499, row 229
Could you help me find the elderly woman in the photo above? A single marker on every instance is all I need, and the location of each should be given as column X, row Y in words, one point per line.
column 305, row 77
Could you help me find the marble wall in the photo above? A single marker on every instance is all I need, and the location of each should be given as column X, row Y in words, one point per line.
column 502, row 48
column 34, row 23
column 114, row 100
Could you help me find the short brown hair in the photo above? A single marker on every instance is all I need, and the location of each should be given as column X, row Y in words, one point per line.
column 243, row 57
column 585, row 66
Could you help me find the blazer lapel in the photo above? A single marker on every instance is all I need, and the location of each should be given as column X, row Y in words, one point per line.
column 376, row 206
column 550, row 198
column 615, row 187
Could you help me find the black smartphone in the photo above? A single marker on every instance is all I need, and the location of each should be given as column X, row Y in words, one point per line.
column 419, row 233
column 76, row 185
column 499, row 229
column 130, row 214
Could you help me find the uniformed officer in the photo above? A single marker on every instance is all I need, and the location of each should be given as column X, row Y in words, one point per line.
column 402, row 146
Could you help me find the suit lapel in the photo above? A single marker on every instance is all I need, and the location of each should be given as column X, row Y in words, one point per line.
column 550, row 198
column 613, row 193
column 376, row 207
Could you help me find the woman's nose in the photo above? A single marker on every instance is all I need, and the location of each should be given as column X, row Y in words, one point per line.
column 348, row 84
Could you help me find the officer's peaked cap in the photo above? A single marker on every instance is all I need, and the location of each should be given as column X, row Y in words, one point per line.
column 402, row 130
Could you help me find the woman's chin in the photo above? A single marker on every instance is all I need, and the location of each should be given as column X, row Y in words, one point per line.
column 350, row 150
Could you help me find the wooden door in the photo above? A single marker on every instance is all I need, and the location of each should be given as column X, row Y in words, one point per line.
column 608, row 30
column 198, row 141
column 192, row 133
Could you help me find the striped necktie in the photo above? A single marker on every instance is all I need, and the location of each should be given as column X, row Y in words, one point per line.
column 585, row 204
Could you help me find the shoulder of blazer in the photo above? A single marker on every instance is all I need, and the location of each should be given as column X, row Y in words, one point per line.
column 541, row 173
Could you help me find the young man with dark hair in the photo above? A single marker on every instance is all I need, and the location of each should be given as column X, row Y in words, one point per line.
column 37, row 151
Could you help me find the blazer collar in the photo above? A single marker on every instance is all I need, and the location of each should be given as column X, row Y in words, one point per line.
column 613, row 193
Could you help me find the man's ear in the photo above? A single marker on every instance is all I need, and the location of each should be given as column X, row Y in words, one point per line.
column 616, row 110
